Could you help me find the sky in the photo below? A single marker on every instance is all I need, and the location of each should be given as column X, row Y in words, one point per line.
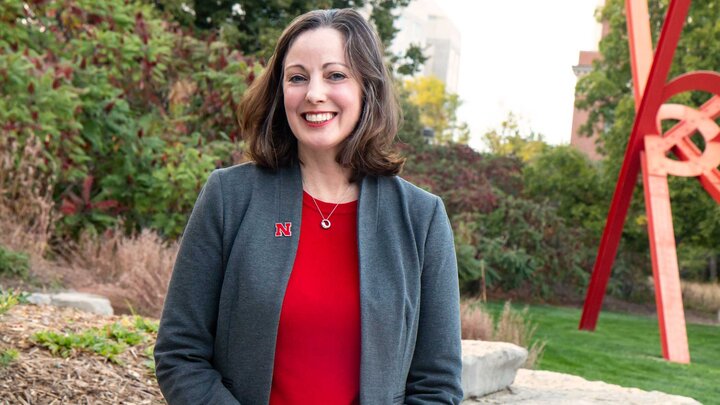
column 517, row 55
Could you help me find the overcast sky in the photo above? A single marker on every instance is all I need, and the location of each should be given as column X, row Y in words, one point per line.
column 517, row 55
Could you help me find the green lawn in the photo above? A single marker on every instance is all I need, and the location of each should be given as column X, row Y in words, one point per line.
column 625, row 350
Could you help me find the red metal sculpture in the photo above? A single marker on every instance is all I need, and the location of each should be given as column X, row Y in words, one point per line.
column 647, row 150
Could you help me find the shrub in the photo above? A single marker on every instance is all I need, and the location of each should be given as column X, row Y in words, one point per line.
column 134, row 272
column 564, row 178
column 109, row 341
column 173, row 190
column 516, row 327
column 476, row 324
column 13, row 263
column 526, row 246
column 7, row 356
column 26, row 196
column 512, row 326
column 454, row 172
column 702, row 296
column 522, row 244
column 111, row 97
column 66, row 344
column 8, row 299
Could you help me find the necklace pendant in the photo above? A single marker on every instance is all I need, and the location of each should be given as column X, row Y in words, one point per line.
column 325, row 223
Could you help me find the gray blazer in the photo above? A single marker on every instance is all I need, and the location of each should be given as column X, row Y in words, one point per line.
column 216, row 342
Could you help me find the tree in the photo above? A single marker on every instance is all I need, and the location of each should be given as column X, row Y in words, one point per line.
column 255, row 25
column 438, row 108
column 411, row 62
column 509, row 140
column 565, row 178
column 411, row 129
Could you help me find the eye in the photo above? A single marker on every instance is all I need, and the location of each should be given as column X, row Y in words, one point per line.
column 296, row 79
column 337, row 76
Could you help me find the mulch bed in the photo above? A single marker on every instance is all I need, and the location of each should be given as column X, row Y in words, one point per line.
column 39, row 377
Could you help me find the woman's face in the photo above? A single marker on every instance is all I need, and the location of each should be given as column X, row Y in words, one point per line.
column 322, row 98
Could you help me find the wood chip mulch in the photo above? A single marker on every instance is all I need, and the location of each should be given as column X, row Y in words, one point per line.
column 39, row 377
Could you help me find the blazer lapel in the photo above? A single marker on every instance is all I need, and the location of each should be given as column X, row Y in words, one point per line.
column 267, row 245
column 381, row 306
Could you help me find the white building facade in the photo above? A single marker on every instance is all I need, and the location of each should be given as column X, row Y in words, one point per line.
column 424, row 23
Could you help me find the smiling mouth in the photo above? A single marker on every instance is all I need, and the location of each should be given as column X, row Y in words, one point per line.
column 318, row 118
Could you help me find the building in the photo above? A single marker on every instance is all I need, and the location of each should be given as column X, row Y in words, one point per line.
column 424, row 23
column 583, row 143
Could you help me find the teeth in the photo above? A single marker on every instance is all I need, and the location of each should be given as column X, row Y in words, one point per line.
column 319, row 117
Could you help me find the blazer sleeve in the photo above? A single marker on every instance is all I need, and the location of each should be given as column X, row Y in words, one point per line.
column 436, row 367
column 184, row 347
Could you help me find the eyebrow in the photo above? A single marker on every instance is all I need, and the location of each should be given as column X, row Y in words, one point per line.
column 324, row 66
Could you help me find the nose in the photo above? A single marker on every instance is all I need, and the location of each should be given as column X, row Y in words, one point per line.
column 316, row 91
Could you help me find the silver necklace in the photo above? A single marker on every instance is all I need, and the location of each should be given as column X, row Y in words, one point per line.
column 325, row 223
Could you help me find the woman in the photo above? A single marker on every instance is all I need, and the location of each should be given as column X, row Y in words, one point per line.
column 315, row 275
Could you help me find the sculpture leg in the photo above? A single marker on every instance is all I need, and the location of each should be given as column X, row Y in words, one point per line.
column 668, row 294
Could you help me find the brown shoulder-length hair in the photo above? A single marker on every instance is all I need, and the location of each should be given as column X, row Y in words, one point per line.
column 368, row 150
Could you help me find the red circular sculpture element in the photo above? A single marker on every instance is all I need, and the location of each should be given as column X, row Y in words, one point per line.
column 694, row 162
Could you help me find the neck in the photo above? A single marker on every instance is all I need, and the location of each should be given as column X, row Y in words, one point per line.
column 327, row 181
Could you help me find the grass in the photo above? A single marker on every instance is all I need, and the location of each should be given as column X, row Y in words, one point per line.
column 625, row 350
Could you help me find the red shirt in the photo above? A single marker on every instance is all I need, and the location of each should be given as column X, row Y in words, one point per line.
column 317, row 355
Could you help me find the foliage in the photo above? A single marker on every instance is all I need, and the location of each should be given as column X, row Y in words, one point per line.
column 253, row 26
column 67, row 344
column 7, row 356
column 411, row 62
column 696, row 222
column 697, row 262
column 112, row 90
column 8, row 299
column 509, row 140
column 411, row 129
column 109, row 341
column 174, row 188
column 456, row 173
column 566, row 179
column 121, row 333
column 150, row 362
column 528, row 247
column 578, row 189
column 13, row 263
column 145, row 324
column 522, row 244
column 438, row 108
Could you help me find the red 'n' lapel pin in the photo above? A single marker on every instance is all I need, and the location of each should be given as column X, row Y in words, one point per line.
column 283, row 229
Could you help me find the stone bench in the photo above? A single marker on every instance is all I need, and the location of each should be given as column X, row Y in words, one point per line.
column 491, row 375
